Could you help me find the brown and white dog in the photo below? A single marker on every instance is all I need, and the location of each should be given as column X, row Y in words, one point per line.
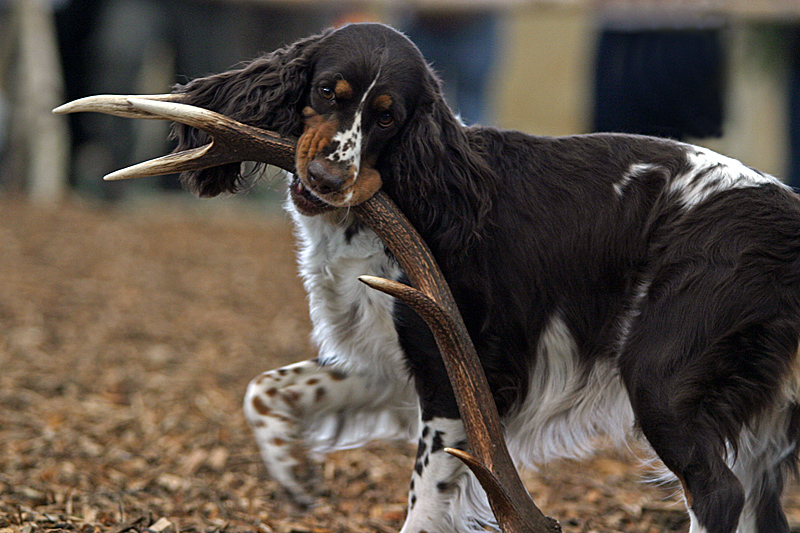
column 613, row 285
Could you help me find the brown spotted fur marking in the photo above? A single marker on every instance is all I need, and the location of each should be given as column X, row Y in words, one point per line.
column 343, row 90
column 291, row 397
column 319, row 395
column 383, row 102
column 260, row 407
column 316, row 136
column 369, row 182
column 281, row 418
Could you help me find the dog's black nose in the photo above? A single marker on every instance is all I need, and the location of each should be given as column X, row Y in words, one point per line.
column 322, row 180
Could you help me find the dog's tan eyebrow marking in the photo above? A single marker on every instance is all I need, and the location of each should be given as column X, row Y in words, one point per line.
column 343, row 89
column 383, row 102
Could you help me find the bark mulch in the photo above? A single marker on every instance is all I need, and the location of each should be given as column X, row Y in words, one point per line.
column 127, row 338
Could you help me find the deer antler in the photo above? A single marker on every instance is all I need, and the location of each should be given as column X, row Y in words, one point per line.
column 432, row 300
column 233, row 141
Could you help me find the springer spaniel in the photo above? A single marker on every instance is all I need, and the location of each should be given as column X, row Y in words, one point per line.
column 613, row 285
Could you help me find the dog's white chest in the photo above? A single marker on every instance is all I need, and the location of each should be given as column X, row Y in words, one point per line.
column 352, row 324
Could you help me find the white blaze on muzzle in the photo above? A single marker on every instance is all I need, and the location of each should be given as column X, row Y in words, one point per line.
column 348, row 143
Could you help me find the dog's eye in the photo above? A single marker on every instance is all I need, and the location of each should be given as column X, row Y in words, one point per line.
column 385, row 119
column 327, row 92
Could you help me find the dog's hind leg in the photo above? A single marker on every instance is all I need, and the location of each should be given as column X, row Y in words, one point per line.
column 729, row 486
column 767, row 452
column 714, row 495
column 306, row 407
column 702, row 373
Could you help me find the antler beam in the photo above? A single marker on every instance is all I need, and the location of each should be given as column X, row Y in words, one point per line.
column 233, row 141
column 432, row 300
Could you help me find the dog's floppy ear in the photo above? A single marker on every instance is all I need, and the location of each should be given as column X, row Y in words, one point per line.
column 269, row 93
column 435, row 164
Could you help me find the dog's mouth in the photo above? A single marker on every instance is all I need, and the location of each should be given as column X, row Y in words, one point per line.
column 306, row 202
column 312, row 197
column 330, row 173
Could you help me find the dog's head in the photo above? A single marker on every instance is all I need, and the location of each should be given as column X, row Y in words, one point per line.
column 364, row 85
column 345, row 93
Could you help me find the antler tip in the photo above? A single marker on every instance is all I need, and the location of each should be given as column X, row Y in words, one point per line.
column 63, row 109
column 113, row 176
column 369, row 280
column 390, row 287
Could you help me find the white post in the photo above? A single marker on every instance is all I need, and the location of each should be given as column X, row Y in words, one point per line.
column 40, row 90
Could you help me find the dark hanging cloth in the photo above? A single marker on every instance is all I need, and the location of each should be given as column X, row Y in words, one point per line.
column 660, row 82
column 794, row 112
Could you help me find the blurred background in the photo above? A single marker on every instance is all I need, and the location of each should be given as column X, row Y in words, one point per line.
column 132, row 316
column 722, row 73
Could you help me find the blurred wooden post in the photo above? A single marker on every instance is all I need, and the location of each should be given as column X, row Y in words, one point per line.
column 38, row 90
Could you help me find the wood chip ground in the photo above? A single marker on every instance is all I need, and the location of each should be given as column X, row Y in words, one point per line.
column 127, row 337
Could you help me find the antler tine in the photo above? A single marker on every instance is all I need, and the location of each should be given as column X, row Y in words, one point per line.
column 196, row 117
column 432, row 300
column 232, row 141
column 115, row 104
column 487, row 479
column 195, row 159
